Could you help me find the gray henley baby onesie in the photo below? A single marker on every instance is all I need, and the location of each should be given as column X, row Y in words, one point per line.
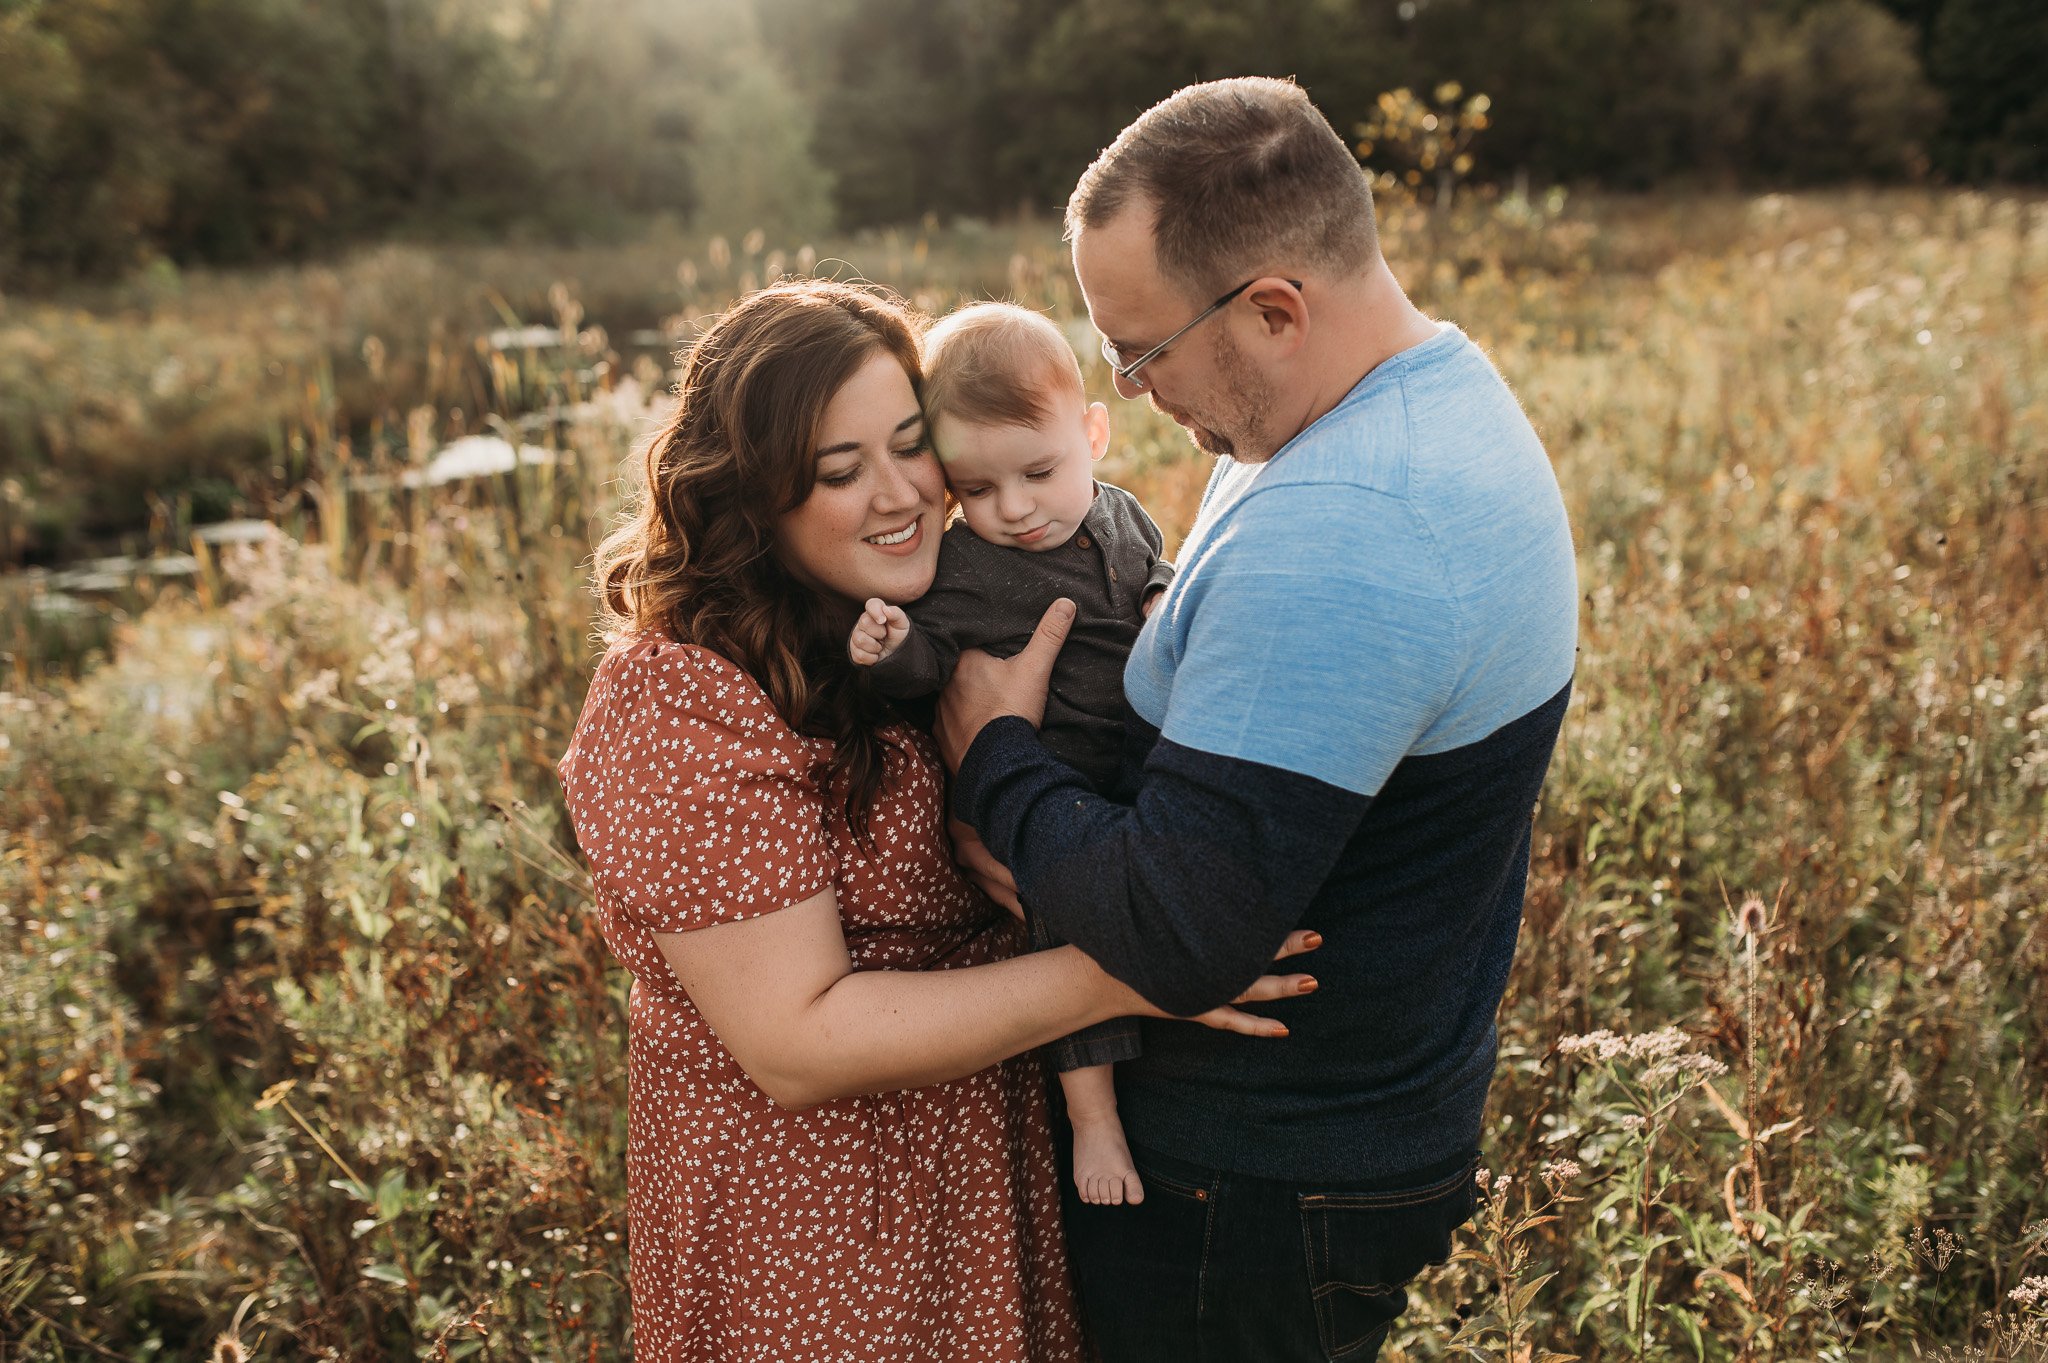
column 991, row 596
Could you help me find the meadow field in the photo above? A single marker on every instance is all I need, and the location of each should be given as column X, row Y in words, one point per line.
column 308, row 1043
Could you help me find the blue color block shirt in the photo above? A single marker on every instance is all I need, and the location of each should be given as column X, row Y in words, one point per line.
column 1340, row 718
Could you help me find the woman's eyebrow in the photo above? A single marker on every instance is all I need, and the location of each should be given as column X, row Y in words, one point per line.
column 853, row 446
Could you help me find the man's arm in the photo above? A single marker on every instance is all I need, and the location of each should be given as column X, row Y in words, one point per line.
column 1296, row 690
column 1184, row 896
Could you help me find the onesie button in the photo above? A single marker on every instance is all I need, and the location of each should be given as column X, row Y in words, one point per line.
column 1082, row 540
column 1112, row 574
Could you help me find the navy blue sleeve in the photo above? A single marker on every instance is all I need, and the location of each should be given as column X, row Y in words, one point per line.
column 1184, row 896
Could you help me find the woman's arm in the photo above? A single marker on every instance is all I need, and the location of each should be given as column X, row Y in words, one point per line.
column 781, row 992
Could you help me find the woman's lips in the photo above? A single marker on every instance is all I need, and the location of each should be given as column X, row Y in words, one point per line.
column 907, row 547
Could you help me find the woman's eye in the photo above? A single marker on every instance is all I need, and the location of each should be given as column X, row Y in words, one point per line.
column 913, row 451
column 840, row 479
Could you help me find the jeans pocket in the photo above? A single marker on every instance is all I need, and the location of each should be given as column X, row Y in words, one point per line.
column 1364, row 1248
column 1174, row 1178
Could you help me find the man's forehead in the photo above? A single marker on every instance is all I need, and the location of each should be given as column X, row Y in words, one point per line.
column 1119, row 272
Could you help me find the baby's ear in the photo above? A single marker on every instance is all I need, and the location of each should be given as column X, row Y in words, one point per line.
column 1096, row 421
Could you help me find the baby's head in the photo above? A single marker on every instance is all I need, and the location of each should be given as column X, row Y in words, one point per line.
column 1015, row 432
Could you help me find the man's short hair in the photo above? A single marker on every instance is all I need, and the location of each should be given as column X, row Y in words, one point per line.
column 997, row 364
column 1244, row 175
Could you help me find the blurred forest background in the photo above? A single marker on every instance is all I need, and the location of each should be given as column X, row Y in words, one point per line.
column 232, row 131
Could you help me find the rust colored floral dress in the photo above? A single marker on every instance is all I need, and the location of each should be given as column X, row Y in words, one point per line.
column 915, row 1225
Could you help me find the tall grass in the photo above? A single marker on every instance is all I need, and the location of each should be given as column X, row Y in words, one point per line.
column 306, row 1035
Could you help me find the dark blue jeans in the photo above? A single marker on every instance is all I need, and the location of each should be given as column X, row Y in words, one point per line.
column 1220, row 1268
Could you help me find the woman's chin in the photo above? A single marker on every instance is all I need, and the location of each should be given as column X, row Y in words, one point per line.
column 901, row 573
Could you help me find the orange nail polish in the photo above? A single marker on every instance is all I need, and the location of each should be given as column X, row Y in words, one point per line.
column 1313, row 940
column 1308, row 986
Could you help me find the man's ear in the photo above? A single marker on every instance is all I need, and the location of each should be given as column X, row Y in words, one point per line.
column 1096, row 422
column 1282, row 311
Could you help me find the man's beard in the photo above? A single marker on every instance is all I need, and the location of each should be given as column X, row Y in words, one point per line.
column 1244, row 401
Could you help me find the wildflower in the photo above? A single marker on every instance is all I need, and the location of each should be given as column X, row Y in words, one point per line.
column 1687, row 1070
column 1558, row 1172
column 388, row 671
column 1602, row 1045
column 1664, row 1044
column 320, row 690
column 1750, row 919
column 2031, row 1292
column 458, row 690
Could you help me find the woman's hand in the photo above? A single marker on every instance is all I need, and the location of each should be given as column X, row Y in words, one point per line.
column 1265, row 989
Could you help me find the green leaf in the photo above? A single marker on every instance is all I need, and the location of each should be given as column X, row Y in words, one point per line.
column 391, row 1195
column 386, row 1273
column 1526, row 1293
column 359, row 1191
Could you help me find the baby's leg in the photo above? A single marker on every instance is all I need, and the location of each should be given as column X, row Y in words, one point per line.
column 1102, row 1161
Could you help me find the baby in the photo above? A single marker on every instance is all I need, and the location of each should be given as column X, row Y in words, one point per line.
column 1018, row 438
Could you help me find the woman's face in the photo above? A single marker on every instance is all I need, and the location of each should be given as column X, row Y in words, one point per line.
column 871, row 525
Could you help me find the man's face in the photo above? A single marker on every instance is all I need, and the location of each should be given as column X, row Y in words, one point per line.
column 1205, row 383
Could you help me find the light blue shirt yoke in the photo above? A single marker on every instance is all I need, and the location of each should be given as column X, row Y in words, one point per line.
column 1398, row 580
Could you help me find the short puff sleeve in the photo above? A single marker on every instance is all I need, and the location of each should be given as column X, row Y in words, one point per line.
column 692, row 799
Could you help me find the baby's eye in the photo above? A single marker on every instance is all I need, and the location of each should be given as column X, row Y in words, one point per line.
column 1039, row 475
column 970, row 492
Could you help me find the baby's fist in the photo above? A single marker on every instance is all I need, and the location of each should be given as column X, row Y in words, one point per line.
column 880, row 631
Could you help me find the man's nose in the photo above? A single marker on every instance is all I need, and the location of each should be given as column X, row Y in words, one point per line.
column 1127, row 388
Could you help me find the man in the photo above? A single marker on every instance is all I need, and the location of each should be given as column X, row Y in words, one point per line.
column 1342, row 713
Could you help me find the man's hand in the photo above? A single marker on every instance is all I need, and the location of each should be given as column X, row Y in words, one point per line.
column 1152, row 598
column 979, row 865
column 985, row 688
column 880, row 631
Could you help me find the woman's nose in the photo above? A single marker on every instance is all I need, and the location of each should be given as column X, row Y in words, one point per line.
column 895, row 490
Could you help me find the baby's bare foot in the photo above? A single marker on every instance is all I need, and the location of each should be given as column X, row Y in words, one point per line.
column 1102, row 1164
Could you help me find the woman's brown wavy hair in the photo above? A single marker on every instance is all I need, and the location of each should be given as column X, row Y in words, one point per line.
column 693, row 555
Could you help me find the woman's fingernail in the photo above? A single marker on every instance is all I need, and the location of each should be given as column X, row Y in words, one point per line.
column 1308, row 986
column 1312, row 941
column 1278, row 1031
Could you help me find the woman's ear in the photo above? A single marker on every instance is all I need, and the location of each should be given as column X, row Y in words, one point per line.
column 1096, row 422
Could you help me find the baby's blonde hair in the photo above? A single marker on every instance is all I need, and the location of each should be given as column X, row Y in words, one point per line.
column 997, row 364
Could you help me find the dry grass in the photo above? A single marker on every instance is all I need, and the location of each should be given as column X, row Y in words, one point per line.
column 305, row 1036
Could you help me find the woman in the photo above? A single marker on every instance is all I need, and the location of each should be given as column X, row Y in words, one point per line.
column 830, row 1153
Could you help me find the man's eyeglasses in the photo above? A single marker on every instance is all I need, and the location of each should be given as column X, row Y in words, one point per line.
column 1128, row 373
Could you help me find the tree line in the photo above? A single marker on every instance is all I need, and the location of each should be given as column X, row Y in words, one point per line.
column 228, row 131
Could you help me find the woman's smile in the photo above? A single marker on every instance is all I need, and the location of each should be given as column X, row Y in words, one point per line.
column 901, row 541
